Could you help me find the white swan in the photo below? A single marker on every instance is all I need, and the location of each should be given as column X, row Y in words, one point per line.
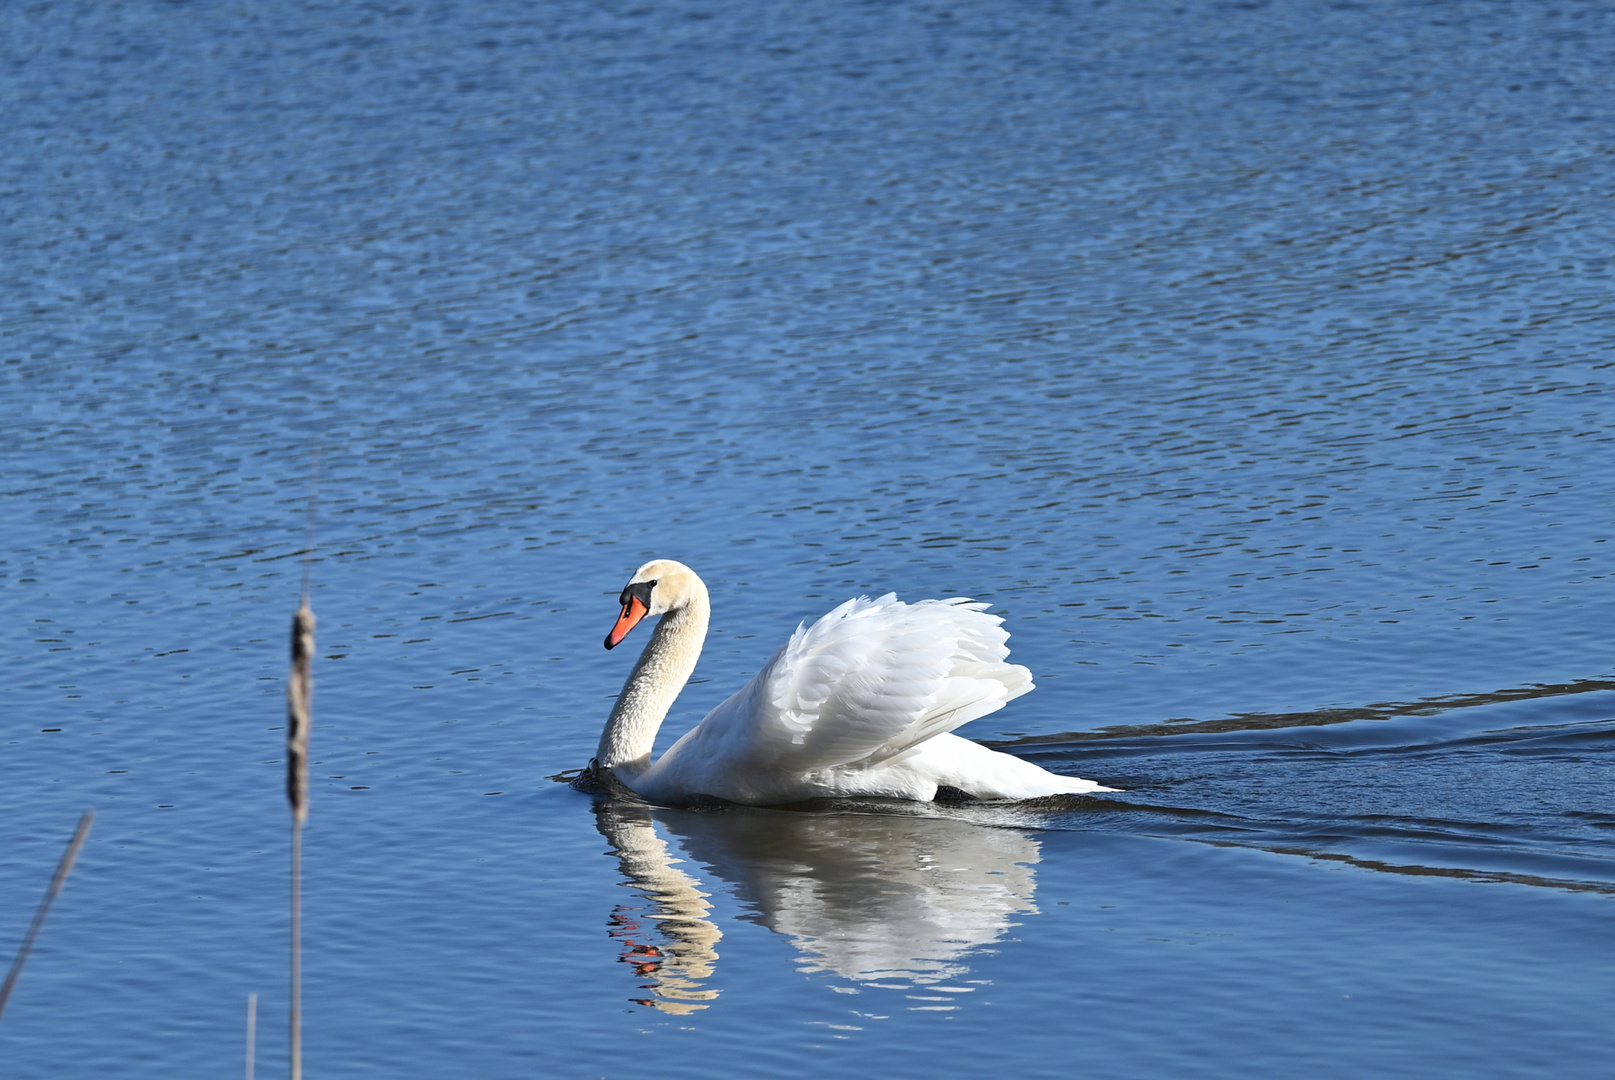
column 860, row 703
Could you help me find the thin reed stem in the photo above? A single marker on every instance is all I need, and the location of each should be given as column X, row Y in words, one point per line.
column 296, row 1046
column 252, row 1034
column 63, row 868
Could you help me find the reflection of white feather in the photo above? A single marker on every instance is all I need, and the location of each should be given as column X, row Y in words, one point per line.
column 679, row 956
column 910, row 906
column 868, row 897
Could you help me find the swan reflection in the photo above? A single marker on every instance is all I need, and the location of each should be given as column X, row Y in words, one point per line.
column 669, row 940
column 879, row 899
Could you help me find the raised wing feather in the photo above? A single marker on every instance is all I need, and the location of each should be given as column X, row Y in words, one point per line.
column 866, row 683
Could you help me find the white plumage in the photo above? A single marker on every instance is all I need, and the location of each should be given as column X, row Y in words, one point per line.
column 862, row 702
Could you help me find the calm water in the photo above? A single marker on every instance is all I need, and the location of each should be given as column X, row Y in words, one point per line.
column 1254, row 360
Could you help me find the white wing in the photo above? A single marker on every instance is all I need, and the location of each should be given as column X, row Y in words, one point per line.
column 867, row 683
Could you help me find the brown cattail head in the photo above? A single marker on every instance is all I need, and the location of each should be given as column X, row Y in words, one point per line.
column 299, row 712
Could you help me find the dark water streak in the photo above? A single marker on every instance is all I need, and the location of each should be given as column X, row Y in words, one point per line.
column 1312, row 718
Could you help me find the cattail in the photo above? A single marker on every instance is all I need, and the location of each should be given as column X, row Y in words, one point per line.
column 63, row 868
column 299, row 702
column 299, row 716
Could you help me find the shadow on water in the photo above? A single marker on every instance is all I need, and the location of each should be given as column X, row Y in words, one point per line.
column 1507, row 787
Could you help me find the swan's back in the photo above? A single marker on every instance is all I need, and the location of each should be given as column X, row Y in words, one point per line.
column 857, row 693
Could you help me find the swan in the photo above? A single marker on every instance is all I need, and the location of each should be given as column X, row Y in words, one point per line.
column 861, row 703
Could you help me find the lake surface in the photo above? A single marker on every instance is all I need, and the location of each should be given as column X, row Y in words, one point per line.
column 1253, row 360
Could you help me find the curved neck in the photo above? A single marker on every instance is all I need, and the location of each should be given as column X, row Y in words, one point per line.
column 653, row 685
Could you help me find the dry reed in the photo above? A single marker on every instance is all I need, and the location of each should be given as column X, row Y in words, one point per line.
column 299, row 715
column 252, row 1034
column 63, row 868
column 299, row 718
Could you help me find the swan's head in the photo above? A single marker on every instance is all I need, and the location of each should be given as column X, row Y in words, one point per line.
column 659, row 586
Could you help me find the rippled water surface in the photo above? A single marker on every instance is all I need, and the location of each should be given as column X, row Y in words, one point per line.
column 1253, row 360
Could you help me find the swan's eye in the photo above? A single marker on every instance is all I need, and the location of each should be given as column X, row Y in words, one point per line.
column 638, row 590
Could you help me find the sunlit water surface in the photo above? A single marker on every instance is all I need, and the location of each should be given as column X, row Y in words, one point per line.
column 1253, row 360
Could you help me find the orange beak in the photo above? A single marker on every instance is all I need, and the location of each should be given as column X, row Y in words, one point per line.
column 632, row 612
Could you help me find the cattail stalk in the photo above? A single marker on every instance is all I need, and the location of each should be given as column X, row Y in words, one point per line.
column 63, row 868
column 299, row 715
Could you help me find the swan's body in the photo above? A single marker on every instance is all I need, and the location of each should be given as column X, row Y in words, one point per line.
column 863, row 702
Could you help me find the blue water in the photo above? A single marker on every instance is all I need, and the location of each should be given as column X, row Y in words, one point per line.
column 1253, row 360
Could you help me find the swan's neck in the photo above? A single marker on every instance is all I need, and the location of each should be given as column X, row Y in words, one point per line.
column 652, row 687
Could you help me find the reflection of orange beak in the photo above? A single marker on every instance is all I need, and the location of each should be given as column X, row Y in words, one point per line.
column 632, row 612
